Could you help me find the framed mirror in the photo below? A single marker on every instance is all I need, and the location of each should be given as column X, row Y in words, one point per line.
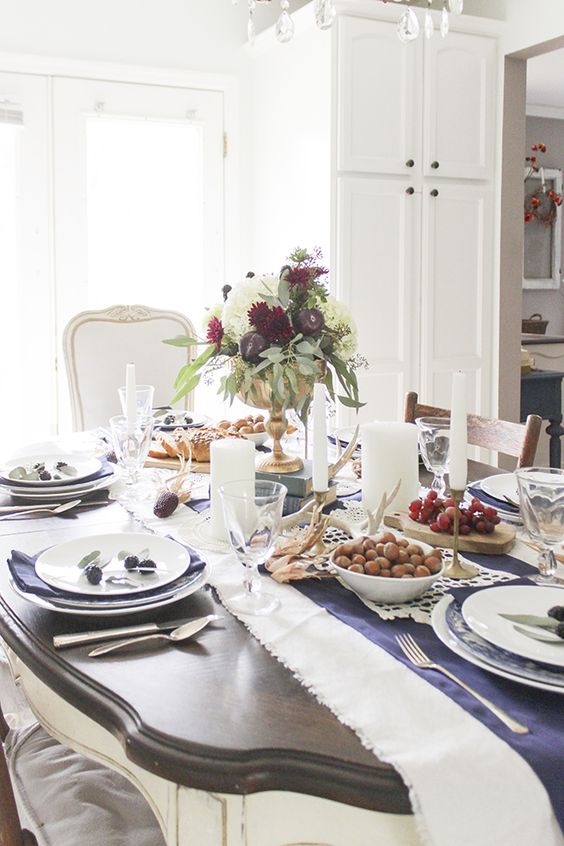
column 543, row 230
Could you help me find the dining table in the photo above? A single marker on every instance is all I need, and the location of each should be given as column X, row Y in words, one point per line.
column 229, row 739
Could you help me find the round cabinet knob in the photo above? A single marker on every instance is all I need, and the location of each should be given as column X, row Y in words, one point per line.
column 435, row 165
column 410, row 190
column 410, row 163
column 434, row 193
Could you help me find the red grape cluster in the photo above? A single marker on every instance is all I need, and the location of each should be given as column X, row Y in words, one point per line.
column 439, row 515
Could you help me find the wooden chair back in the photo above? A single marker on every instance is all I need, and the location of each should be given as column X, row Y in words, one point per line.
column 11, row 831
column 516, row 439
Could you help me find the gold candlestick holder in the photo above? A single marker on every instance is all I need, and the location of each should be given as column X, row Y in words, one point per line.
column 319, row 503
column 457, row 569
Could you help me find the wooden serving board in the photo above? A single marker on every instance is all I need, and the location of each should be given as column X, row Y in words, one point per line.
column 174, row 464
column 501, row 540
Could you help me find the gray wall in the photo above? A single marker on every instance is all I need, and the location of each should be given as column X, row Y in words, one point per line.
column 548, row 303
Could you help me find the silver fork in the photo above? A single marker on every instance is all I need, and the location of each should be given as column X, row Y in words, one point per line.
column 413, row 651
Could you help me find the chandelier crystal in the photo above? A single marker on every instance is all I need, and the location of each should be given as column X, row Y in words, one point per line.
column 325, row 12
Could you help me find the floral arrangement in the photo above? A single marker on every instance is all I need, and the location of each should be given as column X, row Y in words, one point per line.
column 286, row 330
column 541, row 205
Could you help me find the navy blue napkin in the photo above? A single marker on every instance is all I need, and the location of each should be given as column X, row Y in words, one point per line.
column 498, row 504
column 22, row 568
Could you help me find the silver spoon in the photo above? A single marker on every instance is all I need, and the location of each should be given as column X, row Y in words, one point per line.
column 183, row 632
column 66, row 506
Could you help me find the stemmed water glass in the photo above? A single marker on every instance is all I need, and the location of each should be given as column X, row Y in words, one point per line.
column 541, row 499
column 434, row 442
column 131, row 448
column 253, row 515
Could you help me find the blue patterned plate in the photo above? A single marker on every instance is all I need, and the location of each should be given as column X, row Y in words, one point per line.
column 450, row 627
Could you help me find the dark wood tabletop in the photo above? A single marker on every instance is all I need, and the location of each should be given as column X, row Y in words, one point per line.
column 220, row 714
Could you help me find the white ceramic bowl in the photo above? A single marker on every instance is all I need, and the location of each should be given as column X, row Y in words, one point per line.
column 258, row 438
column 383, row 589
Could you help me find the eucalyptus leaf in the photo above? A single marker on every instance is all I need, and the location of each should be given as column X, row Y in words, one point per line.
column 90, row 558
column 183, row 341
column 531, row 620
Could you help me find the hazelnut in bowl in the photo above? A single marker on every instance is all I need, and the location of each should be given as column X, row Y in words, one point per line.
column 251, row 427
column 386, row 567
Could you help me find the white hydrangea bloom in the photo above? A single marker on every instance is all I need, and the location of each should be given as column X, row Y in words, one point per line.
column 337, row 315
column 215, row 311
column 241, row 297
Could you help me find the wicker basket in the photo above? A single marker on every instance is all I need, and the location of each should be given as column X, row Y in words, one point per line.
column 535, row 325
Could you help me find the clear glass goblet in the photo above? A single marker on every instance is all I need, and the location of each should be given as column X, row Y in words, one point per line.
column 131, row 448
column 541, row 499
column 253, row 516
column 434, row 443
column 143, row 400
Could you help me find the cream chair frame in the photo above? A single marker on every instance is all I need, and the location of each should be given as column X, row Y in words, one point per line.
column 119, row 314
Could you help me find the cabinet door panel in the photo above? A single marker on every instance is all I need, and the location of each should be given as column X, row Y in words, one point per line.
column 459, row 106
column 457, row 302
column 377, row 260
column 379, row 103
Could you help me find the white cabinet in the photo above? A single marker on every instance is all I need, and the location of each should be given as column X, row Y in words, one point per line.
column 414, row 224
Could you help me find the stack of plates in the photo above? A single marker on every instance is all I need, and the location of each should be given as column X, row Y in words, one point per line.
column 478, row 633
column 176, row 576
column 80, row 476
column 502, row 493
column 168, row 419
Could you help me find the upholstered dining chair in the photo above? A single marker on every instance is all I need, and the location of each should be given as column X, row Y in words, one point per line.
column 519, row 440
column 52, row 796
column 98, row 344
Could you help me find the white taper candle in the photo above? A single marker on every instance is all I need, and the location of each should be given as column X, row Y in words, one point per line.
column 130, row 397
column 458, row 450
column 320, row 467
column 231, row 461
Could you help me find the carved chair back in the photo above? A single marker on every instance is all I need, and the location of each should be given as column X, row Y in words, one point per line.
column 519, row 440
column 97, row 346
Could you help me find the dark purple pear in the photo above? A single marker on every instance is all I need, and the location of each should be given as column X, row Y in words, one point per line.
column 309, row 321
column 251, row 345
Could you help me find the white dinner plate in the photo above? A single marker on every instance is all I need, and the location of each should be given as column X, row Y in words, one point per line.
column 199, row 580
column 82, row 465
column 198, row 420
column 58, row 566
column 438, row 621
column 55, row 489
column 60, row 494
column 501, row 486
column 482, row 612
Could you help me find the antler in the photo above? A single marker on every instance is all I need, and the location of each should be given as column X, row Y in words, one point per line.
column 375, row 517
column 346, row 455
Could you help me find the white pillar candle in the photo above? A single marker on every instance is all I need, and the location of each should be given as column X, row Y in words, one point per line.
column 231, row 461
column 389, row 453
column 458, row 449
column 320, row 466
column 130, row 397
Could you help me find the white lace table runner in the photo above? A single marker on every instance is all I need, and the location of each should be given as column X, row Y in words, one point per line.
column 467, row 786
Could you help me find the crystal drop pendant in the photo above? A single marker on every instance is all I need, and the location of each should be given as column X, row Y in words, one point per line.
column 325, row 12
column 408, row 26
column 284, row 29
column 444, row 22
column 428, row 26
column 456, row 6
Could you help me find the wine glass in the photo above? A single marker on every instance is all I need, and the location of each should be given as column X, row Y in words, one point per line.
column 143, row 400
column 434, row 442
column 541, row 498
column 253, row 515
column 131, row 448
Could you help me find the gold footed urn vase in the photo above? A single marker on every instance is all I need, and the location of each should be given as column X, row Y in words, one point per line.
column 261, row 397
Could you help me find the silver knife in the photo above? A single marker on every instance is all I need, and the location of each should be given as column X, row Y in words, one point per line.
column 66, row 640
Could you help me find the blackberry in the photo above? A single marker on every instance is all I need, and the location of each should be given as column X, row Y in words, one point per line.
column 44, row 475
column 111, row 457
column 93, row 573
column 166, row 504
column 169, row 420
column 147, row 566
column 188, row 420
column 131, row 562
column 557, row 613
column 60, row 464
